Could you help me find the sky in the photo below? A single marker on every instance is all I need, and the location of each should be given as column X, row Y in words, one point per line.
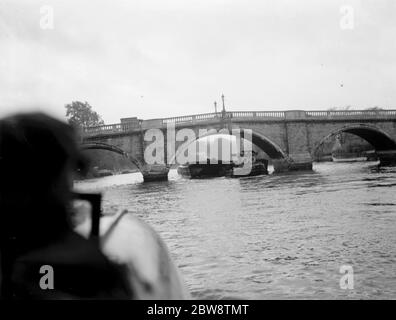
column 164, row 58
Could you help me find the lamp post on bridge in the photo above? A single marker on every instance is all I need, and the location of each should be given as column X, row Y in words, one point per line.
column 224, row 110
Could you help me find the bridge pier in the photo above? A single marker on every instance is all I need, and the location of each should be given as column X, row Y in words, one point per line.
column 296, row 162
column 155, row 173
column 387, row 158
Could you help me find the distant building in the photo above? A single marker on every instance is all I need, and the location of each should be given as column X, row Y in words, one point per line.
column 131, row 120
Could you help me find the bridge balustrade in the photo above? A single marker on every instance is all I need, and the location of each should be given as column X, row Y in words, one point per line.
column 365, row 114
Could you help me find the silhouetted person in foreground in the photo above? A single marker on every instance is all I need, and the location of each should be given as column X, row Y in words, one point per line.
column 42, row 257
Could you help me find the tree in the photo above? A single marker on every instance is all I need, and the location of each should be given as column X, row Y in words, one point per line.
column 346, row 108
column 80, row 114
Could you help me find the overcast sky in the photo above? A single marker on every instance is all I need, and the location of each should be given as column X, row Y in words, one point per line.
column 166, row 58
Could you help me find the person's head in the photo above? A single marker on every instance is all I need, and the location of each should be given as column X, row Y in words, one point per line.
column 38, row 155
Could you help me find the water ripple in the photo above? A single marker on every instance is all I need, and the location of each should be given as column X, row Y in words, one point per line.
column 277, row 236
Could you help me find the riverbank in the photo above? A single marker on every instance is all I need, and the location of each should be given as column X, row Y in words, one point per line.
column 99, row 173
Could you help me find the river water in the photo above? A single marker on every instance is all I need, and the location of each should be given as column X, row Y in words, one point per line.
column 272, row 237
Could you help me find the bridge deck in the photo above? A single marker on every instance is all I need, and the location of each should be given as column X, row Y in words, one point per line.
column 241, row 116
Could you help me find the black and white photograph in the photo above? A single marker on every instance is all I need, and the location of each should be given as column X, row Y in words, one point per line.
column 224, row 151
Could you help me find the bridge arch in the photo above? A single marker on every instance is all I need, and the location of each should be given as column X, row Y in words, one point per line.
column 379, row 139
column 261, row 141
column 268, row 146
column 109, row 147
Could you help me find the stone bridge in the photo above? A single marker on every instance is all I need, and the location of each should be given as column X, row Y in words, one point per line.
column 289, row 138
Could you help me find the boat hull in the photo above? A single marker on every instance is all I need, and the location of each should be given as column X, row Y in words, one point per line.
column 201, row 171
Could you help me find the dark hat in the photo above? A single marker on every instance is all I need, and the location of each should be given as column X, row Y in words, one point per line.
column 36, row 146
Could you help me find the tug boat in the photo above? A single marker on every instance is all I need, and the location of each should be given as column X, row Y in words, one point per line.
column 220, row 169
column 205, row 170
